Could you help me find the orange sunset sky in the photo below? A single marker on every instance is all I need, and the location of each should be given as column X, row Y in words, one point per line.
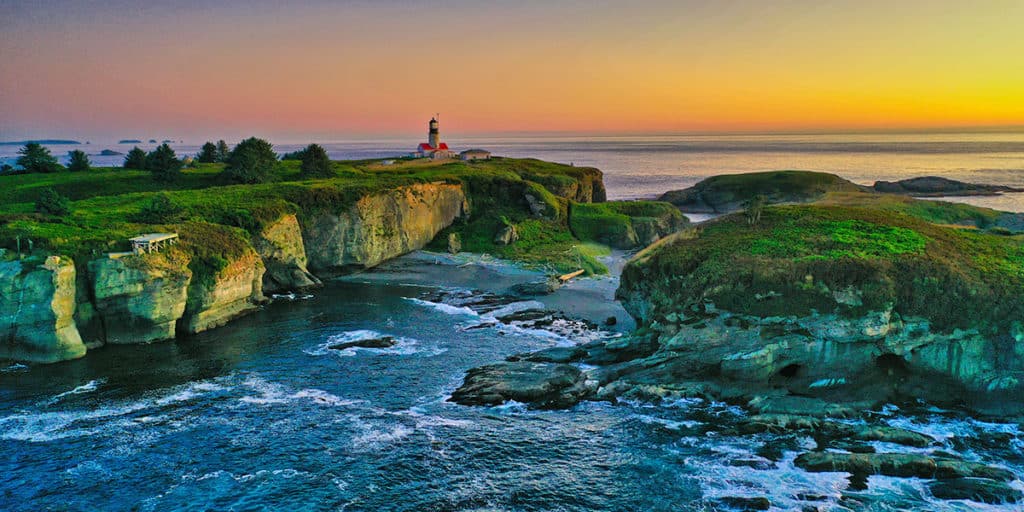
column 330, row 70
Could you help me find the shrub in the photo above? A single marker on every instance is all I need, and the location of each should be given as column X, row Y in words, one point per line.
column 135, row 159
column 36, row 158
column 252, row 161
column 163, row 163
column 208, row 154
column 316, row 163
column 159, row 210
column 52, row 203
column 79, row 161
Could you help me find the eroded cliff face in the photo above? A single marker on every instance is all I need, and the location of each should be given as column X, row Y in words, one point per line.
column 235, row 290
column 283, row 251
column 873, row 356
column 37, row 309
column 140, row 300
column 381, row 226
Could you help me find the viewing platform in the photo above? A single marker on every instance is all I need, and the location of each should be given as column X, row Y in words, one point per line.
column 152, row 242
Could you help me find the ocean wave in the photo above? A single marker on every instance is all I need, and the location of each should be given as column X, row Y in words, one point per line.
column 444, row 308
column 88, row 387
column 271, row 393
column 403, row 346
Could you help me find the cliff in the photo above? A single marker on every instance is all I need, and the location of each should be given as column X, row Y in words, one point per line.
column 806, row 307
column 231, row 292
column 381, row 226
column 140, row 299
column 37, row 308
column 283, row 251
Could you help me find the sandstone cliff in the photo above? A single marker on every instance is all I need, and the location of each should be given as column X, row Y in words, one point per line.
column 37, row 308
column 381, row 226
column 140, row 300
column 232, row 292
column 283, row 251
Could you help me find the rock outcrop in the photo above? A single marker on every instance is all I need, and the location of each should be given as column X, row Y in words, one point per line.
column 37, row 308
column 232, row 292
column 381, row 226
column 283, row 251
column 731, row 192
column 935, row 186
column 140, row 299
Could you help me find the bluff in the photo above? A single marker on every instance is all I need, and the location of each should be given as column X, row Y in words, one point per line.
column 37, row 307
column 839, row 304
column 247, row 240
column 381, row 226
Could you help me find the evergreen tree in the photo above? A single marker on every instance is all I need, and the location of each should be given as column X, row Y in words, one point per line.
column 222, row 151
column 52, row 203
column 79, row 161
column 208, row 154
column 316, row 163
column 135, row 159
column 163, row 163
column 252, row 161
column 36, row 158
column 294, row 155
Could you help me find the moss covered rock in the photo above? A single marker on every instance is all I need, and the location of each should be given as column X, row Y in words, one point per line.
column 731, row 192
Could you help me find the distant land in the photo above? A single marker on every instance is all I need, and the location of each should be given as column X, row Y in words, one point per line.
column 38, row 141
column 129, row 141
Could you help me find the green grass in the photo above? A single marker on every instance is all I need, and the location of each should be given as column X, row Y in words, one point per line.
column 956, row 278
column 775, row 186
column 105, row 203
column 615, row 223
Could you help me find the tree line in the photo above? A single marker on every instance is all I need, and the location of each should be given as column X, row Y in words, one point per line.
column 251, row 161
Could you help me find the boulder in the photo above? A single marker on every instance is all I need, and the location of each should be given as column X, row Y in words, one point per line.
column 507, row 236
column 382, row 342
column 541, row 385
column 454, row 243
column 981, row 490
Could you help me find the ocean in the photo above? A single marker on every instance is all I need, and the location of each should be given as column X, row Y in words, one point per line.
column 263, row 415
column 646, row 166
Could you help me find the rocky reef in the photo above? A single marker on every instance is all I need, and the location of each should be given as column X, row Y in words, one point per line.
column 937, row 186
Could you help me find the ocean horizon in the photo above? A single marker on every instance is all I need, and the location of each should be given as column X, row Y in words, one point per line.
column 645, row 166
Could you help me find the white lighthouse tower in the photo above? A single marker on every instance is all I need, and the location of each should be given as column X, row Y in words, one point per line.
column 433, row 148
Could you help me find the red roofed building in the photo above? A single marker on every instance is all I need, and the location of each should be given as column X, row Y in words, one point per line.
column 433, row 148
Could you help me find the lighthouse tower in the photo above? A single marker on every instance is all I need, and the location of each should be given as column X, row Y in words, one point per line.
column 434, row 136
column 433, row 148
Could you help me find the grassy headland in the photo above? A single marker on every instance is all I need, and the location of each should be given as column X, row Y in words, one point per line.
column 106, row 206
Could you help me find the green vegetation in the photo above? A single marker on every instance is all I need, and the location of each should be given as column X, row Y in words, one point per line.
column 315, row 162
column 207, row 154
column 163, row 164
column 796, row 257
column 79, row 161
column 731, row 192
column 35, row 159
column 109, row 205
column 52, row 203
column 222, row 151
column 623, row 224
column 252, row 161
column 159, row 210
column 135, row 159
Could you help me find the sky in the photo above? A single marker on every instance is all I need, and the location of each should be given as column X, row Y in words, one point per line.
column 333, row 70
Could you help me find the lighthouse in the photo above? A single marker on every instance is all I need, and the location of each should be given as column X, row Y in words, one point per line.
column 433, row 148
column 434, row 136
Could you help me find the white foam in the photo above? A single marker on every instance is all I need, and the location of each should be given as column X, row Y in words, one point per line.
column 16, row 367
column 444, row 308
column 88, row 387
column 402, row 347
column 271, row 393
column 514, row 307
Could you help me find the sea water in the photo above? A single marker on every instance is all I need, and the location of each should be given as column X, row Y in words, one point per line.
column 263, row 415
